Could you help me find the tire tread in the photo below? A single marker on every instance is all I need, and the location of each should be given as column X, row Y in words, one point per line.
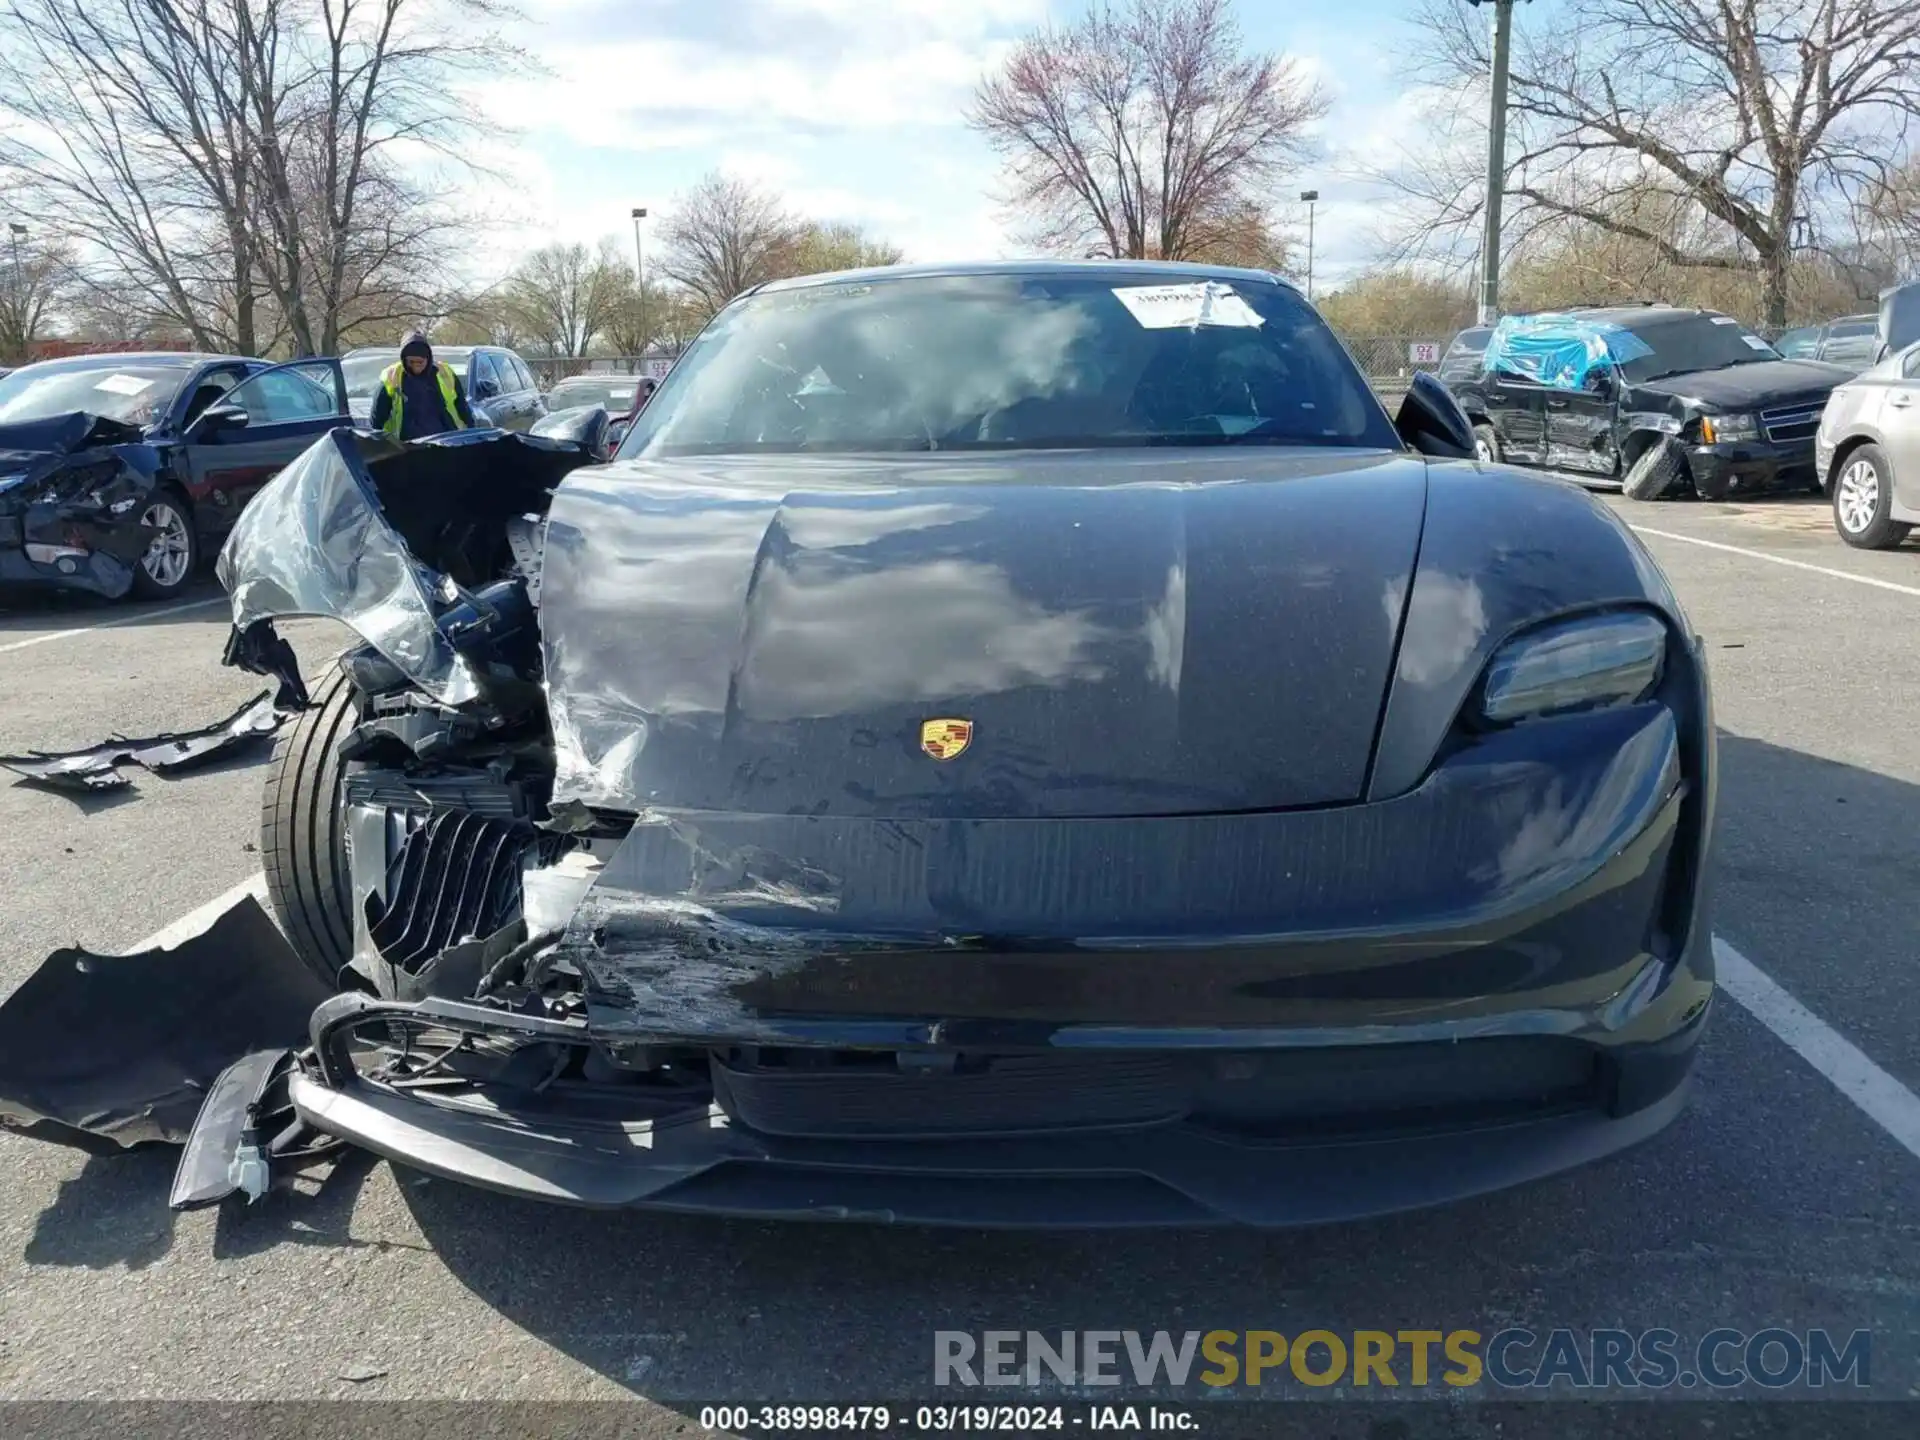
column 301, row 831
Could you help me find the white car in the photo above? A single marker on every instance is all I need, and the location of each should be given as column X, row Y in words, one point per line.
column 1868, row 451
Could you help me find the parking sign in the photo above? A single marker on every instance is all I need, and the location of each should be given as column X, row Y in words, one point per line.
column 1423, row 352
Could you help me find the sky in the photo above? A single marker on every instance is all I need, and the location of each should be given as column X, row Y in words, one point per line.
column 852, row 109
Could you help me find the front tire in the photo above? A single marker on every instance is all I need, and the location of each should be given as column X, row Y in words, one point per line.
column 174, row 553
column 1660, row 470
column 1863, row 501
column 1486, row 444
column 303, row 831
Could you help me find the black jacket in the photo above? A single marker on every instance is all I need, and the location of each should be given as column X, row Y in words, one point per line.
column 423, row 411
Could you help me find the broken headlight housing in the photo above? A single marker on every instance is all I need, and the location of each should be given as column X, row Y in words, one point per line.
column 1580, row 664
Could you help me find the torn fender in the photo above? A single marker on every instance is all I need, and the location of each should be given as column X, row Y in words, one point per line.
column 104, row 1052
column 381, row 536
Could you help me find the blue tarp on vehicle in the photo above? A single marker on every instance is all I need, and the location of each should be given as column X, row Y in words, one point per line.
column 1559, row 350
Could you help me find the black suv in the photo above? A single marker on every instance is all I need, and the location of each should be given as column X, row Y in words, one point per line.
column 1662, row 399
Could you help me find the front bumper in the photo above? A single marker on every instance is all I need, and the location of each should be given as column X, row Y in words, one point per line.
column 70, row 566
column 1498, row 976
column 1172, row 1173
column 1753, row 467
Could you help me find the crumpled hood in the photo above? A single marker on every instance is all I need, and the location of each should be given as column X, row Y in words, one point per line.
column 35, row 449
column 1125, row 632
column 1758, row 386
column 62, row 435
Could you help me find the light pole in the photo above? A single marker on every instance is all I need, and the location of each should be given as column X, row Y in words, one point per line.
column 1310, row 196
column 1496, row 158
column 640, row 280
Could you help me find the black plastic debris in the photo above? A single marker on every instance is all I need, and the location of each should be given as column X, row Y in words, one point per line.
column 92, row 770
column 104, row 1052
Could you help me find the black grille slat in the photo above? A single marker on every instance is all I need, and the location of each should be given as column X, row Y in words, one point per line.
column 456, row 877
column 1791, row 424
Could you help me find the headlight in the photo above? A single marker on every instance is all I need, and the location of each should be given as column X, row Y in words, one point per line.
column 11, row 479
column 1716, row 428
column 1575, row 665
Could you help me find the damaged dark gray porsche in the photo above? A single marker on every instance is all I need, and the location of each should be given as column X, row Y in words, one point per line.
column 1014, row 745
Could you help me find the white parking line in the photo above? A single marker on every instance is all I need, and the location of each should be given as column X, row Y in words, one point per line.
column 131, row 619
column 1885, row 1101
column 1781, row 560
column 200, row 917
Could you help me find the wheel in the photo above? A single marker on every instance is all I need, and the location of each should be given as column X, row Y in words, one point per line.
column 303, row 831
column 1486, row 444
column 175, row 552
column 1863, row 501
column 1660, row 470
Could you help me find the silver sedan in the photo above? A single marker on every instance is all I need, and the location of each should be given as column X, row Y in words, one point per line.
column 1868, row 451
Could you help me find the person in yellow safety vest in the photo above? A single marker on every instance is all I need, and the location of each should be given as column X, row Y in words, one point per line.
column 419, row 396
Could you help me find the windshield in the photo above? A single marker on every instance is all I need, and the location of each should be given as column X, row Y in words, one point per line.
column 1005, row 361
column 1695, row 342
column 136, row 394
column 363, row 372
column 615, row 393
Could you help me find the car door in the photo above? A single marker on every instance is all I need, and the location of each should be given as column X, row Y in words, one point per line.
column 1900, row 425
column 237, row 445
column 1578, row 420
column 525, row 387
column 1517, row 410
column 486, row 394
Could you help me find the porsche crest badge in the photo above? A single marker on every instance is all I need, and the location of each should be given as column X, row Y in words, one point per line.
column 945, row 739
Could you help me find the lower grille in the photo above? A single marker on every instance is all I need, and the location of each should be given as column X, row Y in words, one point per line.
column 1408, row 1086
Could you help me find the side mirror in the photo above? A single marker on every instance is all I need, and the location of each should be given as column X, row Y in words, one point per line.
column 486, row 389
column 223, row 417
column 1432, row 422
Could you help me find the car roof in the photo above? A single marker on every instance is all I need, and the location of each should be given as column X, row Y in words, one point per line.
column 1156, row 270
column 106, row 360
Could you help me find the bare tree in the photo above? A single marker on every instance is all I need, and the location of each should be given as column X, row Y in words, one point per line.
column 1136, row 132
column 217, row 160
column 636, row 324
column 820, row 247
column 565, row 295
column 1766, row 121
column 34, row 279
column 1399, row 302
column 725, row 237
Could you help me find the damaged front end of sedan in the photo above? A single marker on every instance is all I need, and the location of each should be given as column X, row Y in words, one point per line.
column 430, row 554
column 73, row 496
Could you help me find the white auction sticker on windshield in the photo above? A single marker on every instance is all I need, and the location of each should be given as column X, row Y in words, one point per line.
column 1723, row 320
column 123, row 385
column 1756, row 342
column 1186, row 307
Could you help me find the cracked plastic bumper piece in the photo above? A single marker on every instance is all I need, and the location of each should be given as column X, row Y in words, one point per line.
column 95, row 768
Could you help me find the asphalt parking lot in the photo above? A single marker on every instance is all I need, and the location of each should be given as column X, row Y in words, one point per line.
column 1788, row 1195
